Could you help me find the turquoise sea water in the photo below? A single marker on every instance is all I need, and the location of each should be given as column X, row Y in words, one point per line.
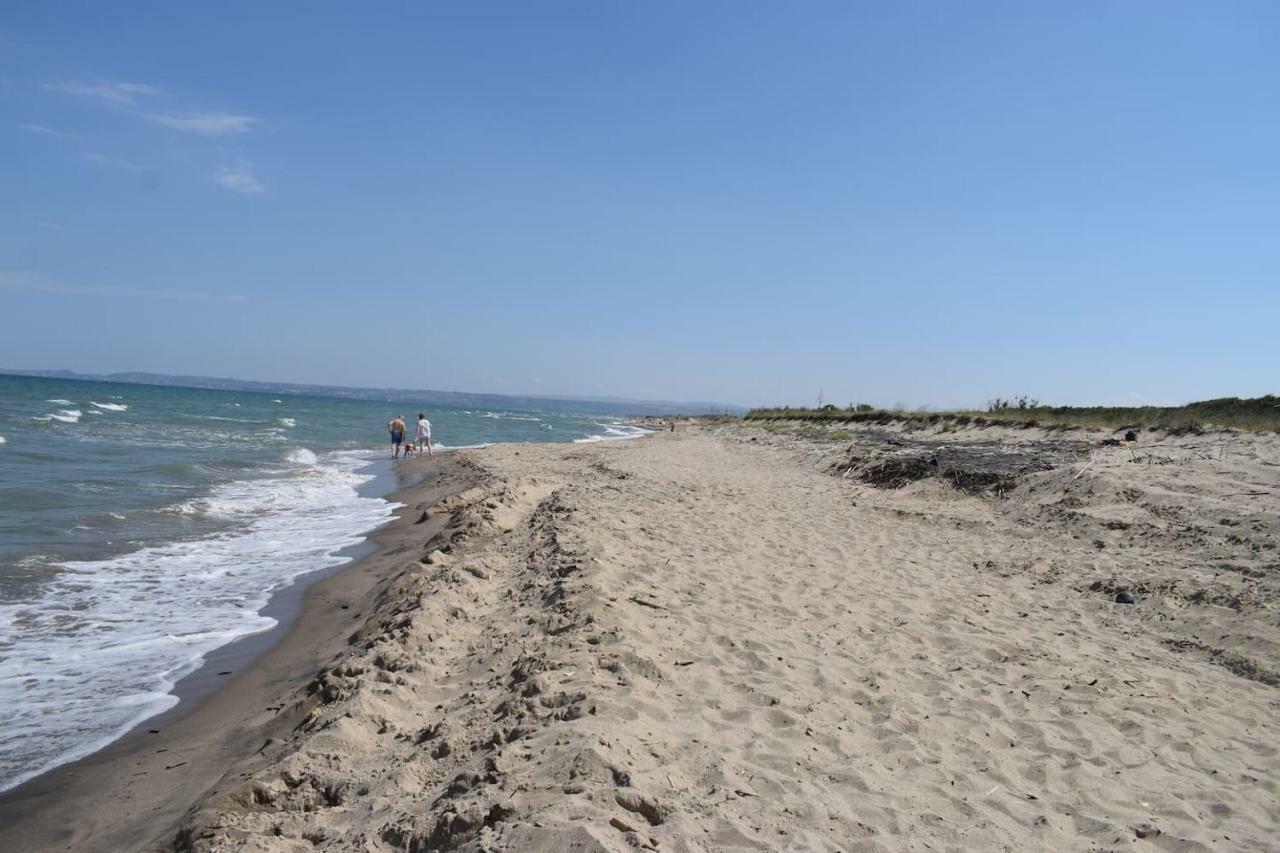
column 143, row 526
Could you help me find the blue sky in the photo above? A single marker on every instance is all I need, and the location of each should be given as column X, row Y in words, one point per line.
column 927, row 204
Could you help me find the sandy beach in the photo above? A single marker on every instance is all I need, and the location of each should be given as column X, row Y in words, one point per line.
column 736, row 638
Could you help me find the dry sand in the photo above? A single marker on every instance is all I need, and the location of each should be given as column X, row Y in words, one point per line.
column 729, row 639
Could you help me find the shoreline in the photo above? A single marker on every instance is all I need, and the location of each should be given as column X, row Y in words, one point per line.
column 285, row 606
column 221, row 697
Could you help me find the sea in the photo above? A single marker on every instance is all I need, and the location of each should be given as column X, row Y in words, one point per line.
column 143, row 526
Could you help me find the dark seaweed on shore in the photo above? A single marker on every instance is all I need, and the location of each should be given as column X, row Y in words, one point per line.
column 977, row 469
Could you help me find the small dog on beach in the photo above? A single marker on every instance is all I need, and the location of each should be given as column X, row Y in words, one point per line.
column 409, row 449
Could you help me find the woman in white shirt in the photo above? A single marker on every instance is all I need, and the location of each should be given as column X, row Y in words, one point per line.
column 423, row 433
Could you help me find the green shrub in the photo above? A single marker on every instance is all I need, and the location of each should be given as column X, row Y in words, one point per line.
column 1258, row 414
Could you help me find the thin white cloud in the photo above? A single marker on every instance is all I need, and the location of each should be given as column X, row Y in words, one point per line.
column 36, row 284
column 119, row 94
column 238, row 177
column 205, row 124
column 48, row 131
column 126, row 98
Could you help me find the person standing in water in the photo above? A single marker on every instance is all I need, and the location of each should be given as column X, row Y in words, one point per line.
column 423, row 433
column 395, row 426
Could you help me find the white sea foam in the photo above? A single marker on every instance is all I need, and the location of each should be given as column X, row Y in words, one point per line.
column 508, row 416
column 58, row 401
column 288, row 422
column 302, row 456
column 102, row 647
column 66, row 416
column 277, row 401
column 437, row 447
column 2, row 439
column 613, row 432
column 112, row 407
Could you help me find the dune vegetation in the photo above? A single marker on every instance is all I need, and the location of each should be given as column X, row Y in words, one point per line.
column 1257, row 414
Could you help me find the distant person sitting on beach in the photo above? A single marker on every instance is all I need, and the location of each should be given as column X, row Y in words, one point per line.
column 395, row 426
column 423, row 433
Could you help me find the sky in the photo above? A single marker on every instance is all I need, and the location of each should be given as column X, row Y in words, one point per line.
column 918, row 204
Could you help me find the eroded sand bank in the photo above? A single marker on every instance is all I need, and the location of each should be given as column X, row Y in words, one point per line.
column 724, row 639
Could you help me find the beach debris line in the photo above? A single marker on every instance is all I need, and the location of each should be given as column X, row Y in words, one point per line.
column 975, row 468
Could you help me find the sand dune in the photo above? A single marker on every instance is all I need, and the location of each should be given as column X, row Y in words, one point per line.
column 725, row 640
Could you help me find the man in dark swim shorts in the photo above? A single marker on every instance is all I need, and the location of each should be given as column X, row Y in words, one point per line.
column 396, row 428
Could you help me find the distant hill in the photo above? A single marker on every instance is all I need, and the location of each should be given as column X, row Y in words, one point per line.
column 584, row 405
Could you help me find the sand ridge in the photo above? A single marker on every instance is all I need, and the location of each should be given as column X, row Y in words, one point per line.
column 708, row 641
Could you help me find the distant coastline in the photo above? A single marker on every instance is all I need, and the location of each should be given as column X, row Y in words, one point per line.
column 584, row 405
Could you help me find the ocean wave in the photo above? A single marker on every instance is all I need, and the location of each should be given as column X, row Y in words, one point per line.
column 193, row 508
column 508, row 416
column 2, row 439
column 613, row 432
column 112, row 407
column 102, row 647
column 437, row 447
column 288, row 422
column 302, row 456
column 66, row 416
column 192, row 471
column 277, row 401
column 58, row 401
